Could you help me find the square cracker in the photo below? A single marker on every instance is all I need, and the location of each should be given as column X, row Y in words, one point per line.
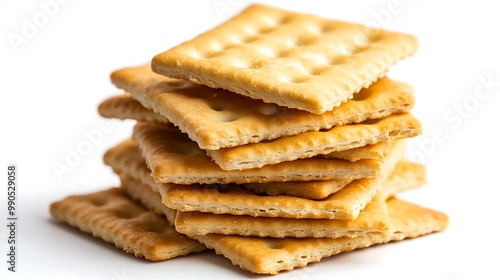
column 272, row 255
column 371, row 220
column 290, row 59
column 174, row 158
column 236, row 200
column 309, row 144
column 126, row 158
column 112, row 216
column 124, row 107
column 217, row 118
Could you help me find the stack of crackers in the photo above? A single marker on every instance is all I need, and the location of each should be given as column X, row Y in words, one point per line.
column 274, row 139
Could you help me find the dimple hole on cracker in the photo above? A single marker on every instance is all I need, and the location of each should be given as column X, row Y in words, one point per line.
column 127, row 214
column 98, row 201
column 218, row 107
column 272, row 244
column 228, row 117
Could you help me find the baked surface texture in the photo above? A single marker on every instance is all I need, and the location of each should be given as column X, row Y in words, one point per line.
column 290, row 59
column 216, row 118
column 113, row 217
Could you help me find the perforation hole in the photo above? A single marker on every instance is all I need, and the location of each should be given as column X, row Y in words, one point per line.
column 219, row 107
column 127, row 214
column 226, row 118
column 98, row 201
column 272, row 244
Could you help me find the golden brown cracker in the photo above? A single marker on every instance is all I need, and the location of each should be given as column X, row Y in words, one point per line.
column 127, row 159
column 290, row 59
column 234, row 199
column 272, row 255
column 371, row 219
column 174, row 158
column 309, row 144
column 110, row 215
column 219, row 119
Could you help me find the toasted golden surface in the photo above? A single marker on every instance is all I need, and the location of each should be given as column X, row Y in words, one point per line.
column 219, row 119
column 272, row 255
column 112, row 216
column 174, row 158
column 290, row 59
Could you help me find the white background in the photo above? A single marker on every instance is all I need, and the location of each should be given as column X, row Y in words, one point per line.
column 52, row 81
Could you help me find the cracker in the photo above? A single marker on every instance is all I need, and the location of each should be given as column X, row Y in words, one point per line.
column 219, row 119
column 130, row 161
column 309, row 144
column 272, row 255
column 236, row 200
column 290, row 59
column 110, row 215
column 345, row 204
column 370, row 221
column 124, row 107
column 373, row 220
column 174, row 158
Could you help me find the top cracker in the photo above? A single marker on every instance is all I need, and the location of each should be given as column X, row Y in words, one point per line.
column 290, row 59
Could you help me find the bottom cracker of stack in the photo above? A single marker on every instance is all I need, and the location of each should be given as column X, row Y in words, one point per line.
column 113, row 217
